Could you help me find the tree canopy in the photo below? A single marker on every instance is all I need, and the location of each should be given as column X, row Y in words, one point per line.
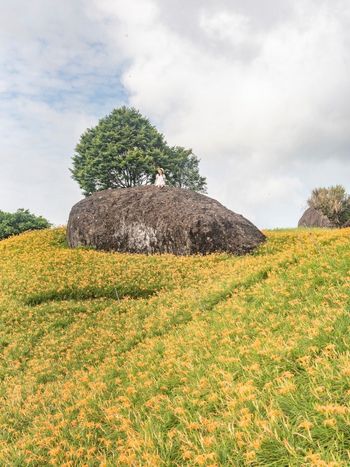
column 124, row 150
column 20, row 221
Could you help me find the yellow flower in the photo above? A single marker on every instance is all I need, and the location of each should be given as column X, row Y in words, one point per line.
column 193, row 426
column 305, row 424
column 331, row 422
column 250, row 456
column 187, row 454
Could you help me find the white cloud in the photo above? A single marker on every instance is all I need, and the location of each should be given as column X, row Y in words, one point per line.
column 259, row 90
column 258, row 98
column 224, row 26
column 35, row 156
column 55, row 69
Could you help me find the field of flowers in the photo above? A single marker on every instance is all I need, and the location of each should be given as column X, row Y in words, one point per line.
column 116, row 360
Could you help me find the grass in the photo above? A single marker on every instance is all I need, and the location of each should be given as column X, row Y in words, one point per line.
column 116, row 359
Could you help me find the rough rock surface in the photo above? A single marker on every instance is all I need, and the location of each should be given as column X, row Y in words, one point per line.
column 148, row 219
column 314, row 218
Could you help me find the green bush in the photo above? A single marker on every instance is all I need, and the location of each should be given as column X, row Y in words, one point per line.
column 333, row 202
column 20, row 221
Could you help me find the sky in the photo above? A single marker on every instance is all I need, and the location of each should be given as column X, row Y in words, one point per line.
column 259, row 90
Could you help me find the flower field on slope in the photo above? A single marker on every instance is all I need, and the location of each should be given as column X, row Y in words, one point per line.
column 113, row 359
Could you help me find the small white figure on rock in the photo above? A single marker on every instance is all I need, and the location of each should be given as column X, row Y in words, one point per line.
column 160, row 178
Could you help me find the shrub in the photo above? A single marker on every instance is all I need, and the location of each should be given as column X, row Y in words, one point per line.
column 333, row 202
column 20, row 221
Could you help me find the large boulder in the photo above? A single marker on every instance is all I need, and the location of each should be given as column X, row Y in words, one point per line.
column 314, row 218
column 149, row 219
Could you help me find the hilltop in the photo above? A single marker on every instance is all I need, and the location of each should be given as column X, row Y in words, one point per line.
column 124, row 359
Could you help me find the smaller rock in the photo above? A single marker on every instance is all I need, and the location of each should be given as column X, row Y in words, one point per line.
column 314, row 218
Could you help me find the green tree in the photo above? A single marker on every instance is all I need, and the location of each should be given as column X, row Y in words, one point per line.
column 124, row 150
column 20, row 221
column 183, row 169
column 333, row 202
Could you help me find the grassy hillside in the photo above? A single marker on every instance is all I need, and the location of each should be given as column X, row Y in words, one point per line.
column 115, row 359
